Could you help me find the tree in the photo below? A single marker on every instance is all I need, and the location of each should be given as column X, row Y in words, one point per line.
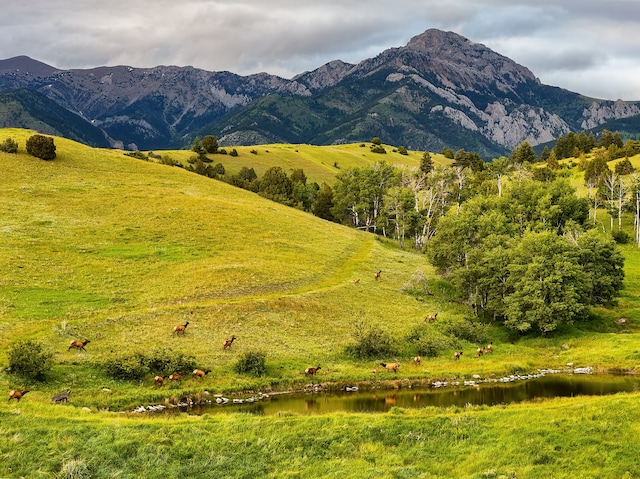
column 426, row 163
column 322, row 207
column 552, row 161
column 624, row 167
column 546, row 283
column 498, row 168
column 276, row 185
column 376, row 141
column 298, row 176
column 523, row 153
column 448, row 153
column 210, row 144
column 41, row 147
column 468, row 159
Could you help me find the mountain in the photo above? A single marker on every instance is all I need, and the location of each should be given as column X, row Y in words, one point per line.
column 439, row 90
column 29, row 109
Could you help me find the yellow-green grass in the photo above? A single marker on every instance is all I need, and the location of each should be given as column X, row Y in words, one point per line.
column 102, row 246
column 320, row 163
column 585, row 437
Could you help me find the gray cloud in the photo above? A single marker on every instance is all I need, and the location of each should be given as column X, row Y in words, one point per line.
column 585, row 46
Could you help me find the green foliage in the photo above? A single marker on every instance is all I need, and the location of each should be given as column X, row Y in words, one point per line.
column 428, row 341
column 376, row 141
column 595, row 169
column 624, row 167
column 370, row 342
column 253, row 363
column 323, row 204
column 448, row 153
column 378, row 149
column 233, row 152
column 210, row 144
column 621, row 237
column 523, row 153
column 426, row 163
column 27, row 358
column 41, row 146
column 276, row 185
column 9, row 146
column 137, row 365
column 465, row 329
column 137, row 155
column 403, row 151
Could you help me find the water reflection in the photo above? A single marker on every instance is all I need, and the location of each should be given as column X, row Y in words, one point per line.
column 557, row 385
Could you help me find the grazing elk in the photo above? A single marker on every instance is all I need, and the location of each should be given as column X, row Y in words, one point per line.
column 377, row 275
column 228, row 342
column 17, row 395
column 158, row 380
column 417, row 360
column 180, row 329
column 479, row 352
column 431, row 318
column 489, row 348
column 200, row 373
column 62, row 397
column 175, row 377
column 78, row 344
column 390, row 367
column 457, row 355
column 311, row 371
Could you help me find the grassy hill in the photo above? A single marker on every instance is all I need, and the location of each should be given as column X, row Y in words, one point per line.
column 97, row 245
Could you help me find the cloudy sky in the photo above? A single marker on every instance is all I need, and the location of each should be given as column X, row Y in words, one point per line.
column 586, row 46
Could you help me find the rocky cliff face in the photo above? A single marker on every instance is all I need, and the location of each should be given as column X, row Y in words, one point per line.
column 438, row 90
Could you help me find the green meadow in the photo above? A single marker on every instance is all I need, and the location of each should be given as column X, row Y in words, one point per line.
column 99, row 246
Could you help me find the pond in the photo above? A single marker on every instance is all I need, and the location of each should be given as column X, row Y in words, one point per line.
column 488, row 392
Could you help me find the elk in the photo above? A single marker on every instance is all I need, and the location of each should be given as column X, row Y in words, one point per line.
column 390, row 367
column 457, row 354
column 158, row 380
column 62, row 397
column 377, row 275
column 17, row 395
column 175, row 377
column 199, row 373
column 431, row 318
column 180, row 329
column 228, row 342
column 489, row 348
column 311, row 371
column 416, row 360
column 479, row 353
column 78, row 344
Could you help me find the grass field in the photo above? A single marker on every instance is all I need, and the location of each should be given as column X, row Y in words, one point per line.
column 100, row 246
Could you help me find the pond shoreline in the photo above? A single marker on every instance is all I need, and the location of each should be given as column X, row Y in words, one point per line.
column 249, row 397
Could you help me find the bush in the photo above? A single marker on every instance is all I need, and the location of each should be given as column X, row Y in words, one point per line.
column 233, row 152
column 41, row 147
column 378, row 149
column 137, row 365
column 370, row 343
column 466, row 330
column 621, row 237
column 402, row 150
column 251, row 362
column 127, row 367
column 9, row 146
column 27, row 359
column 427, row 341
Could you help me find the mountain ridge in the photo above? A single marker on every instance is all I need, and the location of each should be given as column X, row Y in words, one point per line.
column 439, row 90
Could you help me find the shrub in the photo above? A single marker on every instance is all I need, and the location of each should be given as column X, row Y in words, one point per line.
column 621, row 237
column 370, row 342
column 127, row 367
column 163, row 362
column 466, row 330
column 251, row 362
column 9, row 146
column 233, row 152
column 27, row 359
column 378, row 149
column 402, row 150
column 41, row 147
column 428, row 341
